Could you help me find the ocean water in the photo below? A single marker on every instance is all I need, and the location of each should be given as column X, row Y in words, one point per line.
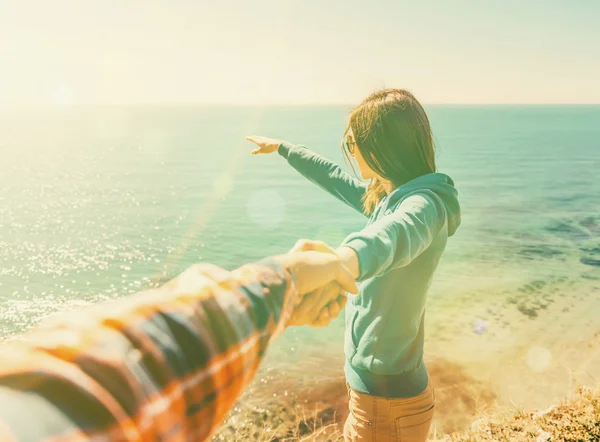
column 99, row 202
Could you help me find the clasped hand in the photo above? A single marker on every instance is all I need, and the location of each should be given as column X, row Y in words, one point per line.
column 319, row 307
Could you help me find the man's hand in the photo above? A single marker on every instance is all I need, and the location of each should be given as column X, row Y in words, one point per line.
column 330, row 312
column 320, row 281
column 320, row 307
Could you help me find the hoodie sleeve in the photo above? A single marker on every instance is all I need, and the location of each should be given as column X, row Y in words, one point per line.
column 395, row 240
column 325, row 174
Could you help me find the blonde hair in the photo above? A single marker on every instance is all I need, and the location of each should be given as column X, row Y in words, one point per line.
column 393, row 134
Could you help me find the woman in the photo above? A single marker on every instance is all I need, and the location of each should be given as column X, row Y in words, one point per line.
column 412, row 211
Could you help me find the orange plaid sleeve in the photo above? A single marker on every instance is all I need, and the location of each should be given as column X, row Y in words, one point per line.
column 166, row 364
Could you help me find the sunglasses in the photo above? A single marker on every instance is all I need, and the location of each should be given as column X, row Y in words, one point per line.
column 350, row 143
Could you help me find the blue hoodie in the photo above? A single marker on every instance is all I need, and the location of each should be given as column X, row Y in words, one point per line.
column 398, row 252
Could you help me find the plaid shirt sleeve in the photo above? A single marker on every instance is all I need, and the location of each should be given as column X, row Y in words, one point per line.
column 165, row 365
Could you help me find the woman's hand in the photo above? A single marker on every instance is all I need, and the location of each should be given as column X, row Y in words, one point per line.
column 348, row 256
column 265, row 144
column 313, row 271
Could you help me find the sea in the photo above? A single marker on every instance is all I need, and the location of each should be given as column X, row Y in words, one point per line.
column 98, row 202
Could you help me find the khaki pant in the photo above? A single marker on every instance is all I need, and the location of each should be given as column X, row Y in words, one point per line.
column 381, row 419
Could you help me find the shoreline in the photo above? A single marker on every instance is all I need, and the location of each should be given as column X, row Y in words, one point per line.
column 540, row 343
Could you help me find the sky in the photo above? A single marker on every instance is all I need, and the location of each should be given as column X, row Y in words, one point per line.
column 297, row 51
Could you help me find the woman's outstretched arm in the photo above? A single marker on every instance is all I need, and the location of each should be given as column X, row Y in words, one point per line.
column 321, row 171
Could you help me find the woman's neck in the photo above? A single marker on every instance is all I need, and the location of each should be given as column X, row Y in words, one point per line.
column 388, row 186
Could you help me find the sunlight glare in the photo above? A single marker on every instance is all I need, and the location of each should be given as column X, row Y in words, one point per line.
column 63, row 96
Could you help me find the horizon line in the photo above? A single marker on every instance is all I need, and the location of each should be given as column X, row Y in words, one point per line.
column 274, row 104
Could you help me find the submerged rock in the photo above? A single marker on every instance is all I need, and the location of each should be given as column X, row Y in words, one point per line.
column 590, row 261
column 541, row 251
column 568, row 230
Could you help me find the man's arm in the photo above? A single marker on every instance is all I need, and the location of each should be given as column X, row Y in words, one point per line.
column 166, row 364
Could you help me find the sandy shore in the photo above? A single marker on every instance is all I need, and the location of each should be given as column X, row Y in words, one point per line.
column 488, row 353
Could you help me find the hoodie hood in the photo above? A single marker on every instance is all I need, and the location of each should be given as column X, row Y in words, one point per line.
column 438, row 183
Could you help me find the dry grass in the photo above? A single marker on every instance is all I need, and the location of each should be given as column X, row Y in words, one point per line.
column 573, row 420
column 280, row 409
